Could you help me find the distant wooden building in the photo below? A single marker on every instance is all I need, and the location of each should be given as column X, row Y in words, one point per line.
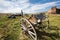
column 54, row 10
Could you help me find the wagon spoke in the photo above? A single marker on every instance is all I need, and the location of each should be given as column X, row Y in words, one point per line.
column 23, row 27
column 30, row 29
column 32, row 33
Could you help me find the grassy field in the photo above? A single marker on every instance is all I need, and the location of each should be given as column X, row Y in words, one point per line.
column 10, row 28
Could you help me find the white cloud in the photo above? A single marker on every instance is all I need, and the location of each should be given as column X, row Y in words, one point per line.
column 13, row 5
column 16, row 5
column 36, row 7
column 12, row 10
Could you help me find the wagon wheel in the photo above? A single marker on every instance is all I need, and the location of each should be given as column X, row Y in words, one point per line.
column 28, row 28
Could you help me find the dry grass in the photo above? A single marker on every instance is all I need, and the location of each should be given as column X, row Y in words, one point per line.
column 10, row 28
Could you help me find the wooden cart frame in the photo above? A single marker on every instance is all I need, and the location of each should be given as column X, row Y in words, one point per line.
column 28, row 27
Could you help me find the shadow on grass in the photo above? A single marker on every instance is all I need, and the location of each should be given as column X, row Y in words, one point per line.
column 42, row 35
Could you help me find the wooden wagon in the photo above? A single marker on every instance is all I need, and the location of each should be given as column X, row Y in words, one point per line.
column 28, row 24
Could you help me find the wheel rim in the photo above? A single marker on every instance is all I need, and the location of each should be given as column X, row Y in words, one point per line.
column 29, row 28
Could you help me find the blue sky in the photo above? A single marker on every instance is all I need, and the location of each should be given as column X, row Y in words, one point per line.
column 28, row 6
